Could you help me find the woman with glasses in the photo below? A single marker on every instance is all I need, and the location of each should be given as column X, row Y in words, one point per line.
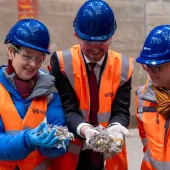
column 153, row 100
column 28, row 102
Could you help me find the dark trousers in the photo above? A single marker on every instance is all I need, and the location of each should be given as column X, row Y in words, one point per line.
column 86, row 163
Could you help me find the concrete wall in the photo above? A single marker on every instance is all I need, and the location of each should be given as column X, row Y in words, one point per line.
column 135, row 18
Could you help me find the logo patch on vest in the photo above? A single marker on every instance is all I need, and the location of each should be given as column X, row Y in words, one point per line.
column 37, row 111
column 109, row 94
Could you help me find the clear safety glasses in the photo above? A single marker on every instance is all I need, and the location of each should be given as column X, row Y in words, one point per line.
column 154, row 69
column 93, row 43
column 29, row 58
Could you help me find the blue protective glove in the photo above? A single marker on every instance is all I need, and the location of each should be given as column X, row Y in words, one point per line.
column 50, row 140
column 66, row 142
column 40, row 136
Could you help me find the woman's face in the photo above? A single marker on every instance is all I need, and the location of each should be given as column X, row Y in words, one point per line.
column 25, row 61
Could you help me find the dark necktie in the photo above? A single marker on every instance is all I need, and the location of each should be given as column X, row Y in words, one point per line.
column 88, row 158
column 94, row 95
column 94, row 107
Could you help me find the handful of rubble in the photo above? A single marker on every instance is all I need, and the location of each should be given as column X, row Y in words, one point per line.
column 62, row 133
column 104, row 143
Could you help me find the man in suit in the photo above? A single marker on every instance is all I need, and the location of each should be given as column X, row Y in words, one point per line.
column 94, row 84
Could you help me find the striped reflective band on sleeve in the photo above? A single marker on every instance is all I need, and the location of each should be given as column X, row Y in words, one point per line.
column 155, row 163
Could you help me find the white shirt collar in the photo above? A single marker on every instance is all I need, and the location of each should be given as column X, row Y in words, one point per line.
column 100, row 62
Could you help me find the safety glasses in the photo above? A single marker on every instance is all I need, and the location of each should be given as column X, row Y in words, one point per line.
column 29, row 58
column 93, row 43
column 154, row 69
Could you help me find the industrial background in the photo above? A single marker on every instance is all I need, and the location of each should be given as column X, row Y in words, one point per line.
column 135, row 18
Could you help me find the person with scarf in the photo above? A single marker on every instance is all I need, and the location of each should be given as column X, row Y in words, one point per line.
column 153, row 100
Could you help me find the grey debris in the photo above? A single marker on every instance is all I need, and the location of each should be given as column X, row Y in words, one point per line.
column 103, row 142
column 62, row 133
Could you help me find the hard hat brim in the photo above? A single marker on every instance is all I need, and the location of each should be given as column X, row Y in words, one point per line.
column 151, row 62
column 91, row 38
column 21, row 43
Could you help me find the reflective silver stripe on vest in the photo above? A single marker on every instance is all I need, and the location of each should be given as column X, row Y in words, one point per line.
column 144, row 141
column 140, row 102
column 67, row 58
column 124, row 70
column 85, row 114
column 103, row 117
column 74, row 149
column 155, row 163
column 44, row 165
column 68, row 67
column 16, row 131
column 12, row 131
column 141, row 109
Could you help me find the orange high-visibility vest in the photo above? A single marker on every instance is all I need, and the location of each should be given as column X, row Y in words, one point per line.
column 13, row 123
column 117, row 71
column 153, row 131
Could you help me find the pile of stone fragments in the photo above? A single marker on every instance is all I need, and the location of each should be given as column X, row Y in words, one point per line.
column 62, row 133
column 101, row 142
column 104, row 143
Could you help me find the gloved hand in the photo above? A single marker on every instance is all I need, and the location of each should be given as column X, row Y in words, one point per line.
column 66, row 142
column 88, row 134
column 117, row 131
column 40, row 136
column 62, row 144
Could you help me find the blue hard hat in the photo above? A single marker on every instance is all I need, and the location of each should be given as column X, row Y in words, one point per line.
column 156, row 49
column 29, row 33
column 95, row 21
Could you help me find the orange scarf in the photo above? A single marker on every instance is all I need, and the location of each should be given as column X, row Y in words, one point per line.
column 163, row 101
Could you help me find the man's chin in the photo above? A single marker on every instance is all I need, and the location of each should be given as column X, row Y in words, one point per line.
column 96, row 58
